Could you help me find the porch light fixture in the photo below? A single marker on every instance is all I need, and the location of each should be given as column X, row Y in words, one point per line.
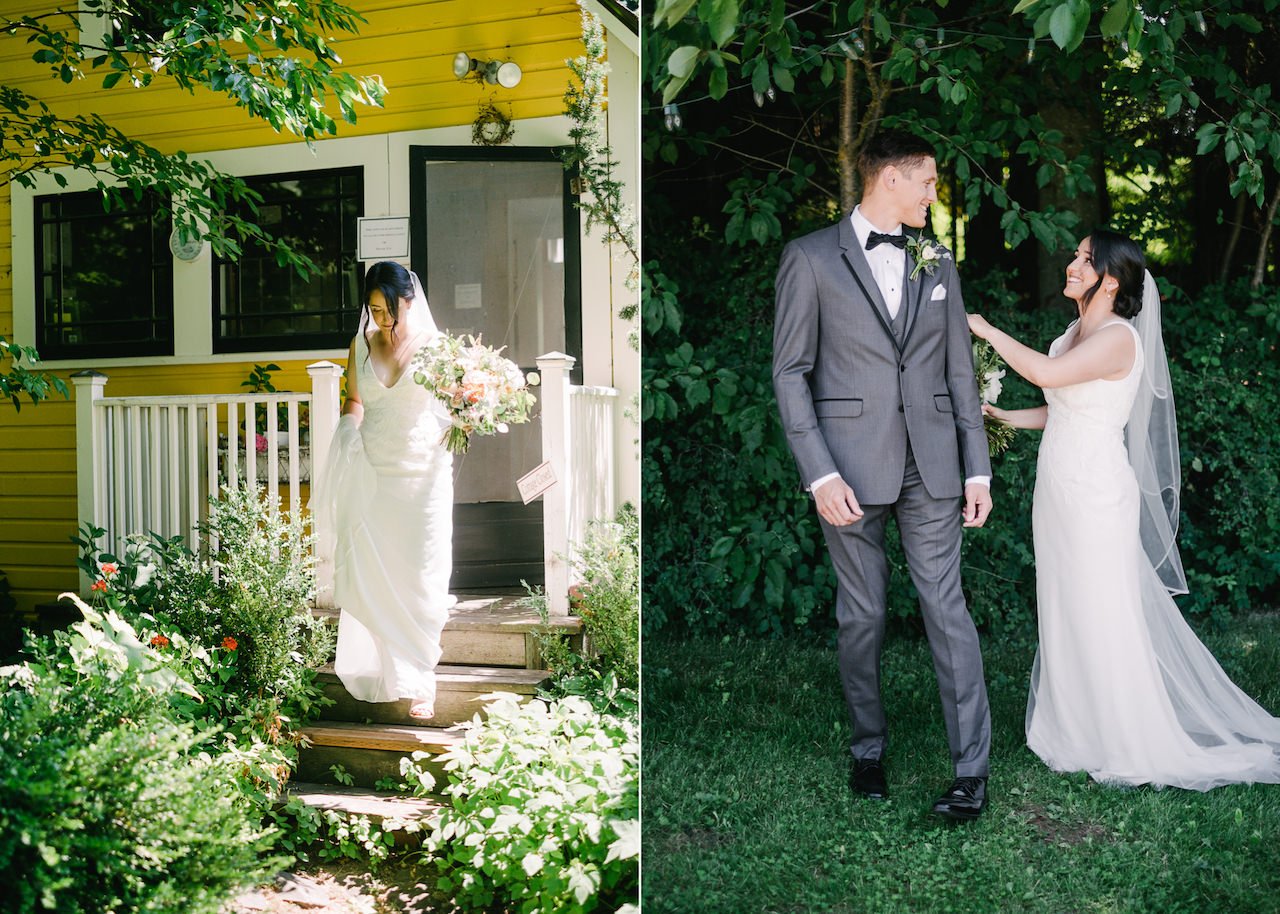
column 495, row 72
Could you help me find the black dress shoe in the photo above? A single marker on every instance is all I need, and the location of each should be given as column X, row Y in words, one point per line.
column 964, row 800
column 867, row 778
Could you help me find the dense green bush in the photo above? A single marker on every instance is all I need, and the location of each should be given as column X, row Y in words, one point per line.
column 106, row 801
column 543, row 809
column 607, row 599
column 236, row 623
column 731, row 543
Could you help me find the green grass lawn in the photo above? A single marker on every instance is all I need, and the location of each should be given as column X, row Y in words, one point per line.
column 747, row 809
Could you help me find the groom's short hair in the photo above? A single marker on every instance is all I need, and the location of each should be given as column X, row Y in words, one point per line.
column 891, row 147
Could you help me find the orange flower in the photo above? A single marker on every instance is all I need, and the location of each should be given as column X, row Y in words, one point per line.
column 229, row 643
column 110, row 568
column 473, row 393
column 99, row 585
column 159, row 641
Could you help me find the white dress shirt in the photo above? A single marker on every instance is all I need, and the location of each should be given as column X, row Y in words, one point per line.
column 888, row 267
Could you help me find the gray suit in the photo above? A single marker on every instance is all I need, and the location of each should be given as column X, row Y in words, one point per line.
column 892, row 406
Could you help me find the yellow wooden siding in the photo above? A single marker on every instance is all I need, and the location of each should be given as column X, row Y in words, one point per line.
column 411, row 46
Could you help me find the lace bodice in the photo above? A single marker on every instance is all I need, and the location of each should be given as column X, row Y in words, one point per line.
column 402, row 424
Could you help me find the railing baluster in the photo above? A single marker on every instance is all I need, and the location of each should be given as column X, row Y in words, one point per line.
column 294, row 441
column 273, row 456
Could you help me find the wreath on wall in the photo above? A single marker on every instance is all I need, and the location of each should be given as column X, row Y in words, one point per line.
column 491, row 127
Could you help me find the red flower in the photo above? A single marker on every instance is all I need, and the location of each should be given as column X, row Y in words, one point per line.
column 159, row 641
column 109, row 568
column 99, row 585
column 229, row 643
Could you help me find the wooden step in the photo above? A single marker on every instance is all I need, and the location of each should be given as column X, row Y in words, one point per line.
column 492, row 631
column 360, row 801
column 459, row 690
column 368, row 752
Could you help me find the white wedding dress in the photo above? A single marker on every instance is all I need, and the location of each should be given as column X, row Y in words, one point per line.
column 388, row 491
column 1121, row 686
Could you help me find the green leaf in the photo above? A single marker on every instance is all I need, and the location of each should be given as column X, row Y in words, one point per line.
column 111, row 79
column 682, row 61
column 718, row 85
column 783, row 79
column 1022, row 5
column 881, row 24
column 672, row 88
column 1116, row 19
column 1062, row 25
column 828, row 73
column 724, row 21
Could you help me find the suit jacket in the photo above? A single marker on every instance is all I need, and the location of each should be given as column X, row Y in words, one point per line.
column 850, row 396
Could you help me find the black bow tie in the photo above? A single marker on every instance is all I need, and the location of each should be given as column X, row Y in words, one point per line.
column 899, row 241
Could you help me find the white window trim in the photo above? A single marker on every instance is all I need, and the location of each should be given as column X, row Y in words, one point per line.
column 385, row 159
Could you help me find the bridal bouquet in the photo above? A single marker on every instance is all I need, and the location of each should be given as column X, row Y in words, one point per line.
column 989, row 368
column 482, row 391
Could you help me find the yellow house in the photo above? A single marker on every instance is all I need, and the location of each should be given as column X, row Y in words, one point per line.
column 492, row 230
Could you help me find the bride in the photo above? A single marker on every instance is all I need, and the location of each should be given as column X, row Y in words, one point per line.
column 1121, row 686
column 387, row 492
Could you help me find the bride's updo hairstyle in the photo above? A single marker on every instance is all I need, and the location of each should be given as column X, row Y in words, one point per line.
column 394, row 282
column 1117, row 256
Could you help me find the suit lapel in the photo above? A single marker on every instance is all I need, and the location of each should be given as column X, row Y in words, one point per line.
column 912, row 290
column 856, row 260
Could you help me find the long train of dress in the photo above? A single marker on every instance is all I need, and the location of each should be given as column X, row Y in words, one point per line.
column 1122, row 688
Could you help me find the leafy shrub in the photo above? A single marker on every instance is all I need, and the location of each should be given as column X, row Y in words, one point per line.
column 608, row 602
column 732, row 543
column 543, row 809
column 236, row 624
column 106, row 802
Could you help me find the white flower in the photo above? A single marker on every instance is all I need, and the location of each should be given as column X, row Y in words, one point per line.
column 991, row 386
column 928, row 253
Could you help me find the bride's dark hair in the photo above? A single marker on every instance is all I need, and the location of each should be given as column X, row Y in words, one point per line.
column 394, row 282
column 1119, row 257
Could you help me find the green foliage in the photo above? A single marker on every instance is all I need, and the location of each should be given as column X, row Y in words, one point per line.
column 543, row 811
column 237, row 625
column 19, row 379
column 1224, row 374
column 328, row 834
column 107, row 802
column 733, row 544
column 608, row 602
column 280, row 67
column 592, row 159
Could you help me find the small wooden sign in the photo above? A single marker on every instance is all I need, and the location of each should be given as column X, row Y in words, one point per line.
column 536, row 481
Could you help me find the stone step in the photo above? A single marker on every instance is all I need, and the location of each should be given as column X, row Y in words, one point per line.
column 492, row 631
column 378, row 806
column 368, row 752
column 360, row 801
column 459, row 690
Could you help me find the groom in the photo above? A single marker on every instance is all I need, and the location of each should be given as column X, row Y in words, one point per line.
column 874, row 376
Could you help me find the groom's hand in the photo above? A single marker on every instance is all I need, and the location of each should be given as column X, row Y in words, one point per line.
column 836, row 503
column 977, row 504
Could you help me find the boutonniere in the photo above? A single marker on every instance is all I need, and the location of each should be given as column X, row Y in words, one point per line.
column 927, row 254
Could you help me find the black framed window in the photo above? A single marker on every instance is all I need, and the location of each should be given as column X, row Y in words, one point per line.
column 258, row 304
column 104, row 278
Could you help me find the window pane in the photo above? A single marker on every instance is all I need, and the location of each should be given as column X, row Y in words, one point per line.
column 106, row 279
column 263, row 305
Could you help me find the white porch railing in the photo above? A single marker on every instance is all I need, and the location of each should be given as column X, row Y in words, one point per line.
column 149, row 464
column 577, row 440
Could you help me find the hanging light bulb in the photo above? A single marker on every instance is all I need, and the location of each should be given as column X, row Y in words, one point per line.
column 847, row 49
column 860, row 46
column 942, row 35
column 1200, row 24
column 1031, row 49
column 770, row 94
column 671, row 116
column 759, row 97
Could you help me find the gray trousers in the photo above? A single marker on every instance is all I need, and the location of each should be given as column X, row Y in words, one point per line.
column 931, row 533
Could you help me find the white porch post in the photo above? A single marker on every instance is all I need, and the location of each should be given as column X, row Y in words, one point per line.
column 88, row 385
column 554, row 368
column 324, row 421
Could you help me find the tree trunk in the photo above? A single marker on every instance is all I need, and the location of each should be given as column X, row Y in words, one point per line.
column 847, row 155
column 1078, row 123
column 1260, row 265
column 1237, row 224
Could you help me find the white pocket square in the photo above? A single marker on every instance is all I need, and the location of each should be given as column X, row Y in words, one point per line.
column 939, row 292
